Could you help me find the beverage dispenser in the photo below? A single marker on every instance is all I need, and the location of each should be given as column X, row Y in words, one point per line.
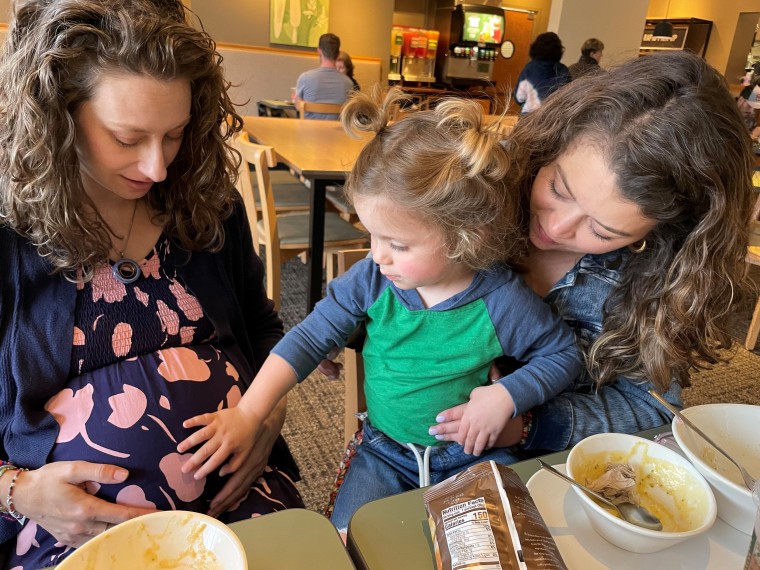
column 397, row 41
column 470, row 36
column 413, row 53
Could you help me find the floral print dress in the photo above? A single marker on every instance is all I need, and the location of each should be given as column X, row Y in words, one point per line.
column 143, row 361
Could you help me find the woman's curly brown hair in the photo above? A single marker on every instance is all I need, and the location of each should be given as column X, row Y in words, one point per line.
column 447, row 166
column 670, row 131
column 54, row 56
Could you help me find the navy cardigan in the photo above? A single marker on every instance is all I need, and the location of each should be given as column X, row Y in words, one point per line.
column 37, row 323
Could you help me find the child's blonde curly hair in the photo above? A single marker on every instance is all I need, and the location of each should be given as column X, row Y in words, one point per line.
column 447, row 166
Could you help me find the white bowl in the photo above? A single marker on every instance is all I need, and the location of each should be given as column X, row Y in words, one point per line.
column 668, row 485
column 166, row 539
column 736, row 428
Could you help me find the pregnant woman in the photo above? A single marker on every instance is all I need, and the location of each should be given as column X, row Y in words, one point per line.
column 131, row 298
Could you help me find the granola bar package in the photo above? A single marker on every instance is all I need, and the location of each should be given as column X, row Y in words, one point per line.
column 485, row 519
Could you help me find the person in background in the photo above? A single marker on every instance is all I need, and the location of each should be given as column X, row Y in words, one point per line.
column 543, row 74
column 591, row 55
column 748, row 103
column 638, row 240
column 346, row 66
column 439, row 302
column 131, row 295
column 325, row 84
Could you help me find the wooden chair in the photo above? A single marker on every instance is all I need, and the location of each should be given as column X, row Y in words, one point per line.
column 284, row 236
column 337, row 197
column 290, row 195
column 753, row 258
column 353, row 365
column 313, row 107
column 485, row 103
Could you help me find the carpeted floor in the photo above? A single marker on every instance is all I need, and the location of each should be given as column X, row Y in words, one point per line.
column 314, row 426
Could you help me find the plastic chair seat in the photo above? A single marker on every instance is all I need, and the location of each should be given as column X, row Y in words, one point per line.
column 289, row 194
column 293, row 196
column 294, row 230
column 337, row 198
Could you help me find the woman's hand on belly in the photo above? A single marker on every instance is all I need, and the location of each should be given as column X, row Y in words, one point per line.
column 237, row 486
column 55, row 498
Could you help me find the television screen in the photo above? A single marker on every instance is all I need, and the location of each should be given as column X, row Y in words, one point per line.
column 483, row 27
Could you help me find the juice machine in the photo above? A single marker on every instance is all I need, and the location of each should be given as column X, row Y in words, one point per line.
column 470, row 36
column 413, row 53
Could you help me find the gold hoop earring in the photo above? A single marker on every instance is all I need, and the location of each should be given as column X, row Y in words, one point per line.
column 639, row 249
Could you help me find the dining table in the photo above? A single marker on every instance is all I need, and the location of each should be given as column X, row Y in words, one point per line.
column 401, row 521
column 277, row 108
column 321, row 153
column 293, row 539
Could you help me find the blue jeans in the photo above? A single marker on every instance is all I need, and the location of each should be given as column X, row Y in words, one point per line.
column 384, row 467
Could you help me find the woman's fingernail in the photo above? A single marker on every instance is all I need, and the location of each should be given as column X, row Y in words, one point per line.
column 439, row 437
column 440, row 419
column 120, row 475
column 433, row 431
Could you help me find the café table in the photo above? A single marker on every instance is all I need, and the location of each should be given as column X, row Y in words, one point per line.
column 293, row 539
column 401, row 521
column 276, row 108
column 322, row 154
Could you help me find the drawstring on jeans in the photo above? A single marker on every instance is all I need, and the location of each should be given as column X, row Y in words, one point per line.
column 423, row 463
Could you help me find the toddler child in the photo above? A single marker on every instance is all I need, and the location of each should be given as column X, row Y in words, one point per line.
column 439, row 303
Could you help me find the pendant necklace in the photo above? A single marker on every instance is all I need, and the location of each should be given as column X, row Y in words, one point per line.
column 126, row 270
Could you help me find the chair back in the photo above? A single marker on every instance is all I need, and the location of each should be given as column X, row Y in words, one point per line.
column 261, row 157
column 313, row 107
column 754, row 224
column 753, row 258
column 353, row 363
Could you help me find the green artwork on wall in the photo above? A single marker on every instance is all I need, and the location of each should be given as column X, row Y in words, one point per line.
column 298, row 22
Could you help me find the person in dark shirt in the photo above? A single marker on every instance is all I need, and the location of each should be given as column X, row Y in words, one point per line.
column 591, row 55
column 543, row 74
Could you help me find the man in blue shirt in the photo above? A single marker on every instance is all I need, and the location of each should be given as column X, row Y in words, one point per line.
column 324, row 84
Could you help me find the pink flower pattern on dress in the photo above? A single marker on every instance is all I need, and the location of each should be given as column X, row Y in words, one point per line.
column 169, row 318
column 125, row 401
column 121, row 339
column 72, row 410
column 128, row 407
column 182, row 364
column 187, row 303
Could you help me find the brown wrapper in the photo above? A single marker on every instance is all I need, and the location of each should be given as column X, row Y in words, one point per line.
column 485, row 519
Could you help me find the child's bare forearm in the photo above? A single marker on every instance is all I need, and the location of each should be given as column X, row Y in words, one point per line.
column 273, row 381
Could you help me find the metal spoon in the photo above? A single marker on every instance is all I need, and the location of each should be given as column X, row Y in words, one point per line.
column 634, row 514
column 748, row 479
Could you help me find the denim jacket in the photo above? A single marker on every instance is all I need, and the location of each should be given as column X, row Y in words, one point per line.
column 583, row 409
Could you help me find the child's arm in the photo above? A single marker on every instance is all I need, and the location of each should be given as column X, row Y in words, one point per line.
column 484, row 418
column 233, row 431
column 532, row 334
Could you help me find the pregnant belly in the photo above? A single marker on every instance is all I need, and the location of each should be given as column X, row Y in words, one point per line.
column 130, row 414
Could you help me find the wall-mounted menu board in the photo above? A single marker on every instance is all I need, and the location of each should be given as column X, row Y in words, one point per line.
column 674, row 42
column 688, row 33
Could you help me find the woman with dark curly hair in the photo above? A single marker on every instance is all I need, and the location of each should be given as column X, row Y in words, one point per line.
column 131, row 295
column 543, row 74
column 639, row 188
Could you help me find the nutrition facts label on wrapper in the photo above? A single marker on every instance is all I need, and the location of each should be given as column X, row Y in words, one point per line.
column 469, row 536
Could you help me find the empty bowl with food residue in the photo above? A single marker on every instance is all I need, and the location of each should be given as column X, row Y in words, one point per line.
column 179, row 540
column 736, row 428
column 657, row 478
